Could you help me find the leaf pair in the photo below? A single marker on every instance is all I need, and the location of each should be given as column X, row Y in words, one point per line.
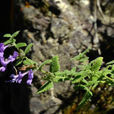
column 11, row 39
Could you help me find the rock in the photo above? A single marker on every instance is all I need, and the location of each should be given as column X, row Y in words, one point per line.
column 58, row 28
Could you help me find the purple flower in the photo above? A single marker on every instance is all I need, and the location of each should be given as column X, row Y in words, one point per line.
column 30, row 77
column 2, row 69
column 2, row 47
column 4, row 62
column 12, row 58
column 18, row 78
column 1, row 54
column 14, row 77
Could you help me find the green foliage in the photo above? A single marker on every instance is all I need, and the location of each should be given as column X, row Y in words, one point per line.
column 111, row 62
column 44, row 63
column 55, row 66
column 96, row 64
column 7, row 35
column 11, row 41
column 18, row 62
column 15, row 34
column 28, row 48
column 28, row 61
column 84, row 100
column 82, row 56
column 19, row 45
column 86, row 76
column 48, row 85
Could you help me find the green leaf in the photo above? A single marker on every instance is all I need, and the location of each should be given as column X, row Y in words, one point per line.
column 21, row 53
column 86, row 97
column 55, row 66
column 44, row 63
column 59, row 78
column 28, row 48
column 84, row 88
column 80, row 76
column 96, row 64
column 73, row 69
column 82, row 56
column 48, row 85
column 13, row 41
column 28, row 61
column 7, row 35
column 15, row 34
column 7, row 42
column 77, row 79
column 111, row 62
column 19, row 61
column 18, row 45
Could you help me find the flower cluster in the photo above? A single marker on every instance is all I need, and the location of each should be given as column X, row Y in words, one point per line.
column 18, row 78
column 4, row 62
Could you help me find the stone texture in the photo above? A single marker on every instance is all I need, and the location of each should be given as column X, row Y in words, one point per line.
column 58, row 27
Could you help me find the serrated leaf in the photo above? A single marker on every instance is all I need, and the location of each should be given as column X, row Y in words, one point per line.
column 84, row 88
column 55, row 65
column 77, row 79
column 82, row 56
column 7, row 35
column 19, row 45
column 86, row 97
column 15, row 34
column 96, row 64
column 58, row 78
column 28, row 48
column 80, row 76
column 48, row 85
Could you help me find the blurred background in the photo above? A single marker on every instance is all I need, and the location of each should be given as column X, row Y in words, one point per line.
column 64, row 28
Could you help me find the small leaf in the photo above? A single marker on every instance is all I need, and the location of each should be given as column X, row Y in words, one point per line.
column 15, row 34
column 18, row 45
column 28, row 62
column 44, row 63
column 77, row 79
column 58, row 78
column 111, row 62
column 87, row 89
column 7, row 35
column 73, row 69
column 7, row 42
column 48, row 85
column 19, row 61
column 55, row 66
column 82, row 56
column 84, row 88
column 22, row 53
column 96, row 64
column 86, row 97
column 28, row 48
